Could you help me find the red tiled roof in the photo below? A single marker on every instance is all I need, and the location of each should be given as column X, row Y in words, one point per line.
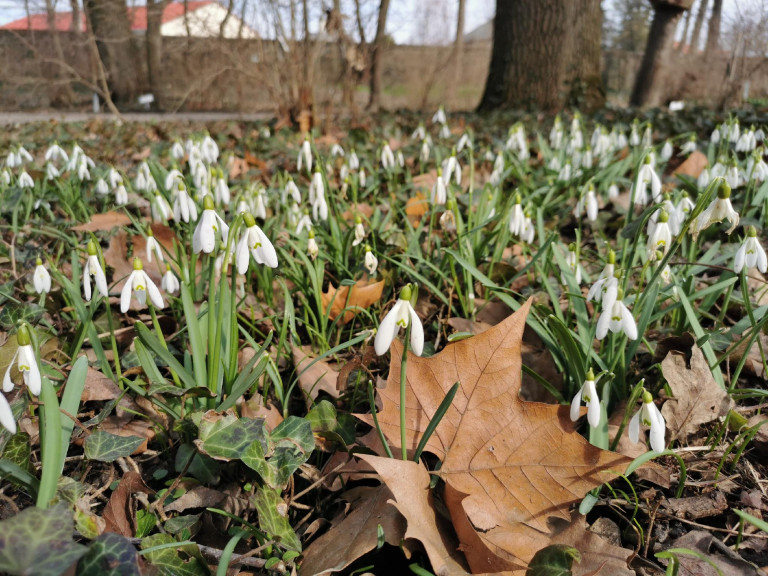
column 138, row 15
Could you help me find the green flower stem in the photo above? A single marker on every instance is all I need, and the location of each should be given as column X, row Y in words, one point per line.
column 159, row 332
column 403, row 390
column 113, row 341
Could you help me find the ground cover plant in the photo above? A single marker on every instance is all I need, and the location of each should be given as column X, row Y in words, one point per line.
column 433, row 345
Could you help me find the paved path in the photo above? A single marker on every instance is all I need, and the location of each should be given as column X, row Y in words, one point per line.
column 7, row 118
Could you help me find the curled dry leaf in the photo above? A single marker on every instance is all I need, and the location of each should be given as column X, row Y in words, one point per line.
column 119, row 513
column 347, row 299
column 105, row 221
column 693, row 166
column 98, row 387
column 197, row 497
column 697, row 398
column 357, row 533
column 517, row 463
column 416, row 207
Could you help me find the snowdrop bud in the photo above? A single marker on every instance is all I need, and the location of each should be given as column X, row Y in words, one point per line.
column 649, row 416
column 370, row 262
column 153, row 246
column 169, row 282
column 587, row 393
column 359, row 231
column 41, row 278
column 312, row 247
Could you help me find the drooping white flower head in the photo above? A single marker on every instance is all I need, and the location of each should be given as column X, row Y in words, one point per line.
column 359, row 231
column 597, row 289
column 25, row 180
column 312, row 248
column 92, row 268
column 139, row 284
column 305, row 156
column 587, row 393
column 689, row 147
column 660, row 238
column 7, row 420
column 719, row 209
column 649, row 416
column 177, row 151
column 439, row 116
column 184, row 208
column 588, row 201
column 121, row 195
column 370, row 261
column 445, row 132
column 353, row 160
column 420, row 133
column 161, row 209
column 646, row 177
column 153, row 247
column 572, row 262
column 169, row 283
column 304, row 223
column 439, row 194
column 317, row 197
column 615, row 316
column 291, row 190
column 209, row 149
column 41, row 279
column 387, row 157
column 56, row 153
column 26, row 363
column 254, row 243
column 750, row 254
column 666, row 151
column 400, row 316
column 463, row 142
column 51, row 172
column 204, row 238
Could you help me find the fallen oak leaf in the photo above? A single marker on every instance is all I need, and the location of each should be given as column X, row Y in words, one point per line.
column 409, row 483
column 314, row 375
column 519, row 463
column 348, row 299
column 105, row 221
column 118, row 513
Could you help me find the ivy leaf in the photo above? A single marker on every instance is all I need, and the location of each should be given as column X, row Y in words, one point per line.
column 272, row 511
column 226, row 437
column 555, row 560
column 183, row 560
column 110, row 555
column 106, row 447
column 39, row 542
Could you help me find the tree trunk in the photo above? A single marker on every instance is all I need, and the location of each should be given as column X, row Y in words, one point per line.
column 77, row 25
column 60, row 93
column 378, row 43
column 649, row 83
column 697, row 25
column 108, row 21
column 583, row 79
column 455, row 65
column 528, row 55
column 155, row 10
column 713, row 32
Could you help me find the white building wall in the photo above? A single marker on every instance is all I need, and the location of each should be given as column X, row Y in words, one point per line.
column 205, row 22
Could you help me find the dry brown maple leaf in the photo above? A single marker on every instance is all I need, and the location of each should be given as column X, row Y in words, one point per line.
column 518, row 463
column 364, row 293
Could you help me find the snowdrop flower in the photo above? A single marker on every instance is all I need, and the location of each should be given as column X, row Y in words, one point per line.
column 734, row 131
column 605, row 281
column 92, row 268
column 139, row 284
column 660, row 239
column 715, row 136
column 177, row 151
column 353, row 161
column 56, row 153
column 420, row 133
column 447, row 218
column 615, row 317
column 586, row 158
column 634, row 133
column 401, row 315
column 647, row 136
column 337, row 150
column 361, row 177
column 172, row 179
column 445, row 132
column 304, row 223
column 666, row 151
column 517, row 218
column 169, row 283
column 747, row 141
column 424, row 153
column 266, row 132
column 400, row 159
column 572, row 262
column 6, row 415
column 82, row 170
column 51, row 172
column 204, row 238
column 452, row 168
column 5, row 177
column 732, row 176
column 556, row 134
column 674, row 221
column 751, row 254
column 587, row 393
column 114, row 178
column 588, row 201
column 101, row 187
column 613, row 190
column 387, row 157
column 255, row 243
column 12, row 160
column 26, row 363
column 25, row 180
column 684, row 208
column 41, row 278
column 260, row 206
column 439, row 194
column 649, row 416
column 759, row 170
column 565, row 172
column 719, row 209
column 645, row 176
column 121, row 195
column 221, row 190
column 153, row 246
column 439, row 116
column 210, row 149
column 305, row 156
column 704, row 179
column 689, row 147
column 312, row 248
column 184, row 208
column 464, row 141
column 291, row 190
column 359, row 231
column 161, row 209
column 370, row 261
column 317, row 197
column 718, row 170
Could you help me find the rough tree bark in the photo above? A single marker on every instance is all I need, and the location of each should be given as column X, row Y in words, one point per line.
column 455, row 65
column 108, row 21
column 378, row 43
column 541, row 50
column 649, row 82
column 60, row 92
column 686, row 27
column 713, row 32
column 155, row 10
column 698, row 24
column 77, row 25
